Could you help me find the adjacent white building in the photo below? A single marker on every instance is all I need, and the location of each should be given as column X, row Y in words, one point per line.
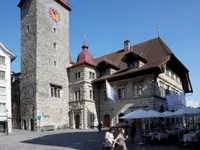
column 6, row 57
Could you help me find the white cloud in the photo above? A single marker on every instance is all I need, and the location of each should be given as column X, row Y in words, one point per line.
column 192, row 103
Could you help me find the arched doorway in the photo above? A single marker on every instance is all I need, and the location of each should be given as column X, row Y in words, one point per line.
column 119, row 116
column 32, row 124
column 77, row 121
column 25, row 125
column 107, row 120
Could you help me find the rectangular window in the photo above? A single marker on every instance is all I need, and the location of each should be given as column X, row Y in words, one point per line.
column 55, row 90
column 167, row 71
column 77, row 95
column 90, row 75
column 177, row 78
column 90, row 94
column 137, row 89
column 77, row 75
column 2, row 75
column 167, row 91
column 54, row 45
column 93, row 75
column 93, row 95
column 54, row 30
column 27, row 29
column 2, row 90
column 172, row 75
column 2, row 107
column 104, row 95
column 2, row 60
column 162, row 89
column 123, row 93
column 119, row 93
column 54, row 63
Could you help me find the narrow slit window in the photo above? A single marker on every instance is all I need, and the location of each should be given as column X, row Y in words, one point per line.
column 54, row 45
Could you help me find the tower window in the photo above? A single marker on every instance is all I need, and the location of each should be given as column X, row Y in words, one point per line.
column 54, row 30
column 54, row 63
column 27, row 29
column 55, row 90
column 90, row 94
column 54, row 45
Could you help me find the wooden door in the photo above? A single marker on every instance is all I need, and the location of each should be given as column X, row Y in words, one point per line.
column 107, row 120
column 138, row 123
column 77, row 120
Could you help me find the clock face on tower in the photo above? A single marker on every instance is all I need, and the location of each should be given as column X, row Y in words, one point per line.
column 54, row 14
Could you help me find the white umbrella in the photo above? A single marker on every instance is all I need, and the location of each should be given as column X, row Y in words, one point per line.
column 136, row 114
column 154, row 114
column 167, row 113
column 186, row 111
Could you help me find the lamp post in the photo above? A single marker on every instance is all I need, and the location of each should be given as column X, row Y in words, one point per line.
column 6, row 111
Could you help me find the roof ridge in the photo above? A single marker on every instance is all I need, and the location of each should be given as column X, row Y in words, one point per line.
column 121, row 50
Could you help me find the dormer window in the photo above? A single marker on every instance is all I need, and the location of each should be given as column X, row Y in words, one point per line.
column 106, row 67
column 132, row 65
column 133, row 60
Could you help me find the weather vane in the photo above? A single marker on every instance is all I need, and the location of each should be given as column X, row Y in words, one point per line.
column 158, row 31
column 84, row 39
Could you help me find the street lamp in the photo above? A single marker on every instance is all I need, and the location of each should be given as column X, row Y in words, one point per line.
column 6, row 111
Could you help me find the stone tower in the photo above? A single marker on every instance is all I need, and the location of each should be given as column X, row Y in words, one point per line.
column 44, row 59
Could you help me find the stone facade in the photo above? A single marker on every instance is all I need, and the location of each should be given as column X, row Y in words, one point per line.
column 44, row 59
column 68, row 95
column 83, row 112
column 150, row 97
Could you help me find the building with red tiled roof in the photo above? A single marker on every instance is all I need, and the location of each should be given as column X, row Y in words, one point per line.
column 51, row 83
column 142, row 75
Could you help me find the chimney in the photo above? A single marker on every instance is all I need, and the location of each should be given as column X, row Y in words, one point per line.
column 127, row 45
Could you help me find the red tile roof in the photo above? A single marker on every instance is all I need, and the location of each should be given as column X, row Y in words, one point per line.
column 64, row 3
column 154, row 51
column 85, row 57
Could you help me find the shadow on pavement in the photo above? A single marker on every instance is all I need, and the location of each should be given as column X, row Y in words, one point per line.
column 88, row 141
column 77, row 140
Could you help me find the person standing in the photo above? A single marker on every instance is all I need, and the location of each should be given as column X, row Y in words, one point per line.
column 121, row 139
column 109, row 140
column 100, row 126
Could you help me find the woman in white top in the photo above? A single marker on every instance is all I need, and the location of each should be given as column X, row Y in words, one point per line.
column 109, row 137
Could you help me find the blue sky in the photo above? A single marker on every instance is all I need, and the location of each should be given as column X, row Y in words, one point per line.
column 108, row 23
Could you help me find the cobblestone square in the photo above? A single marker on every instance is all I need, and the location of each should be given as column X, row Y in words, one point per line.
column 64, row 140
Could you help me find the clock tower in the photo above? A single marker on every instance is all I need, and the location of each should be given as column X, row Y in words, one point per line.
column 44, row 59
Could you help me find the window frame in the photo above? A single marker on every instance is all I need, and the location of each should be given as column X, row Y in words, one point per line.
column 3, row 74
column 55, row 91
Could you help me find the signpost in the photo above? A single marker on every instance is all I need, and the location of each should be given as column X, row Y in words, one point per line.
column 39, row 118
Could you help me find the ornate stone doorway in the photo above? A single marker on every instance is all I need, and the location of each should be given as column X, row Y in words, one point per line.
column 107, row 120
column 77, row 121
